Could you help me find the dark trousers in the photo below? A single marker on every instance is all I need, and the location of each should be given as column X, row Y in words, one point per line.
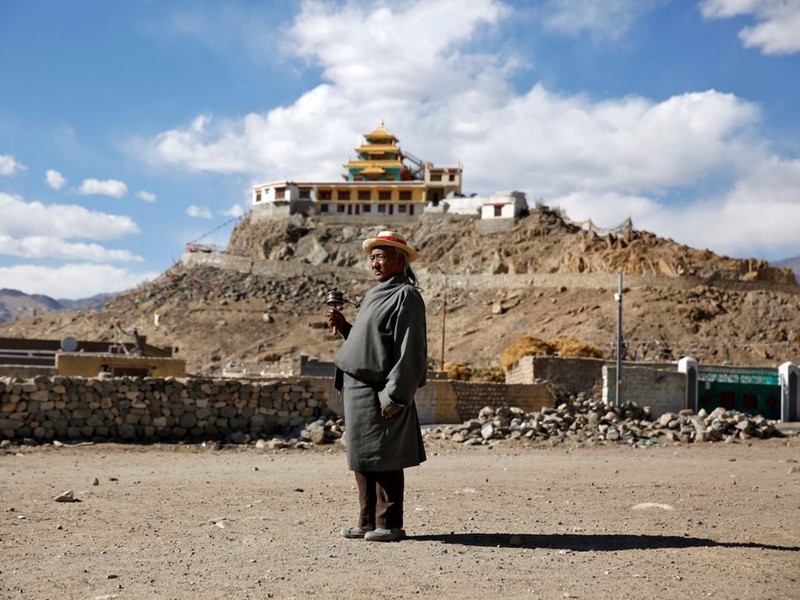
column 380, row 494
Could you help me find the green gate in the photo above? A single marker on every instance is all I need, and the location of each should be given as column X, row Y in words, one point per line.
column 752, row 391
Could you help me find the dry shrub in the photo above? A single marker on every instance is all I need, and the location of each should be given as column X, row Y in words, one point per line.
column 458, row 371
column 527, row 345
column 577, row 348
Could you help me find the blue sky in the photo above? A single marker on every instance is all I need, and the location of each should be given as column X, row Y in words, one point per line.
column 130, row 128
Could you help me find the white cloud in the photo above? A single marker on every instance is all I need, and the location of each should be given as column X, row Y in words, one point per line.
column 615, row 158
column 37, row 246
column 103, row 187
column 65, row 221
column 778, row 22
column 55, row 179
column 146, row 196
column 608, row 19
column 73, row 281
column 201, row 212
column 235, row 211
column 10, row 166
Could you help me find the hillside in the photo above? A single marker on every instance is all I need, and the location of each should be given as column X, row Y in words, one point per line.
column 264, row 298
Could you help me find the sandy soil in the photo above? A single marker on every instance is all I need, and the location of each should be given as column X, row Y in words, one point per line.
column 668, row 521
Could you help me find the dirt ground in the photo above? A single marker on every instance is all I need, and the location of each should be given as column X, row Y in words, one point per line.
column 508, row 521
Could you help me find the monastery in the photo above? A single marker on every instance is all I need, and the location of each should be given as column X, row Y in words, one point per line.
column 383, row 181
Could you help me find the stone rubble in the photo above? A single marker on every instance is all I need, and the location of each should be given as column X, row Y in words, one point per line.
column 586, row 420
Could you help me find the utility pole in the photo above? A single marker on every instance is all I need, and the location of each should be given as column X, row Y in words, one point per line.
column 444, row 316
column 618, row 300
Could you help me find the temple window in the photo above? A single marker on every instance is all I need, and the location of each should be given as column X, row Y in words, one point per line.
column 324, row 195
column 401, row 208
column 364, row 194
column 384, row 195
column 340, row 208
column 258, row 196
column 343, row 194
column 323, row 207
column 405, row 195
column 437, row 177
column 381, row 208
column 280, row 193
column 366, row 208
column 305, row 194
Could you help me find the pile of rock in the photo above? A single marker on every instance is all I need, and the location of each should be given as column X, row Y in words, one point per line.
column 584, row 420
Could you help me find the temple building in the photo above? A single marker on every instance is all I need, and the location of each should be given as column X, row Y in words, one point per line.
column 381, row 181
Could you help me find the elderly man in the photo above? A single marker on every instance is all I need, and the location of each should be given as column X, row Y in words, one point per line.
column 380, row 365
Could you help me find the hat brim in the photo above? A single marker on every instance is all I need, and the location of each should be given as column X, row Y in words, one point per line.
column 371, row 243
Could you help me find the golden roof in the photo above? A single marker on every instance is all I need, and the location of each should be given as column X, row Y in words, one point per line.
column 381, row 133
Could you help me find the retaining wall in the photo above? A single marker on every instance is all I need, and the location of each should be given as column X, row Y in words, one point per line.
column 133, row 409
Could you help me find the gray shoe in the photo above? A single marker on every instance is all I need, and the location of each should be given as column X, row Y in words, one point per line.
column 385, row 535
column 353, row 532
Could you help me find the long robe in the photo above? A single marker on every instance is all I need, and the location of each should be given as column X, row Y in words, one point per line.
column 385, row 354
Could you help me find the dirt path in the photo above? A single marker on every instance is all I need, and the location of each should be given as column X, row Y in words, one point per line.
column 712, row 520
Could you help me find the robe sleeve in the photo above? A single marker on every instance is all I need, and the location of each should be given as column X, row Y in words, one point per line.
column 409, row 355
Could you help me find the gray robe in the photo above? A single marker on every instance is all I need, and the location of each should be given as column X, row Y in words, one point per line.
column 385, row 354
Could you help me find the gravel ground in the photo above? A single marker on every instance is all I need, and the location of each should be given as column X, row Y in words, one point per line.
column 507, row 521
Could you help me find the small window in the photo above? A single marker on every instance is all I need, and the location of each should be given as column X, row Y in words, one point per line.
column 405, row 195
column 324, row 195
column 340, row 208
column 323, row 207
column 280, row 193
column 452, row 177
column 381, row 208
column 343, row 194
column 436, row 177
column 498, row 211
column 366, row 208
column 305, row 194
column 258, row 196
column 384, row 195
column 401, row 208
column 364, row 194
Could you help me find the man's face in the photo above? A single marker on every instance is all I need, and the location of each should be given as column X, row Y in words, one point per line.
column 386, row 262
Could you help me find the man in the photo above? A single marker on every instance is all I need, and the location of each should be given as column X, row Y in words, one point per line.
column 380, row 365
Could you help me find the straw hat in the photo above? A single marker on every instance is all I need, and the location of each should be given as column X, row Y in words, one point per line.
column 393, row 239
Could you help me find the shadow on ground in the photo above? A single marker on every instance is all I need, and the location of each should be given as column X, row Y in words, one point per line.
column 589, row 542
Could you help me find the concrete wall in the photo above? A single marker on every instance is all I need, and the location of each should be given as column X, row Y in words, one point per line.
column 78, row 364
column 662, row 389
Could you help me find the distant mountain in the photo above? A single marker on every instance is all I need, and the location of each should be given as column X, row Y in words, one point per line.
column 15, row 304
column 792, row 263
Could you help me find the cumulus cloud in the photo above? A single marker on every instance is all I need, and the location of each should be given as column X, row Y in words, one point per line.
column 605, row 159
column 103, row 187
column 72, row 281
column 778, row 22
column 55, row 179
column 201, row 212
column 10, row 166
column 37, row 246
column 146, row 196
column 65, row 221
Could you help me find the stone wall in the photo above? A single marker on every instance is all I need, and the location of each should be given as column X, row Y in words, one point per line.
column 132, row 409
column 574, row 375
column 149, row 410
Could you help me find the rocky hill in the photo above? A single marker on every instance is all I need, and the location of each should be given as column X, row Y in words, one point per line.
column 263, row 299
